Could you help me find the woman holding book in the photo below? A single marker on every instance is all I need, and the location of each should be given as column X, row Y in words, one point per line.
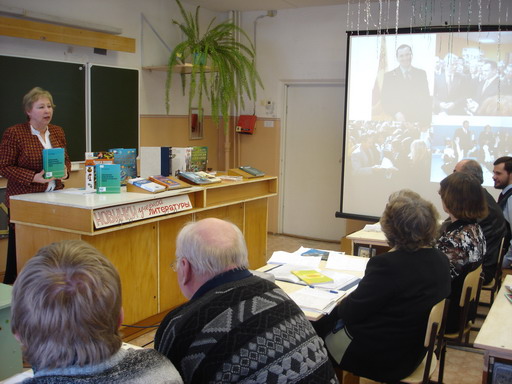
column 21, row 158
column 378, row 331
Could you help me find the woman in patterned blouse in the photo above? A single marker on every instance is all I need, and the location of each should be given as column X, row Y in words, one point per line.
column 462, row 239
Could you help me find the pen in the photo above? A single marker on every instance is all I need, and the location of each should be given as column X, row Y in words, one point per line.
column 327, row 290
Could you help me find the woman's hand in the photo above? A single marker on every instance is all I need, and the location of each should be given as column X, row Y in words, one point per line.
column 38, row 178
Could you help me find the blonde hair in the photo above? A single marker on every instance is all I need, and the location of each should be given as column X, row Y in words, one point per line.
column 66, row 304
column 33, row 95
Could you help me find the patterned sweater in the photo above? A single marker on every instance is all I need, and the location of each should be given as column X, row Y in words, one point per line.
column 243, row 330
column 133, row 366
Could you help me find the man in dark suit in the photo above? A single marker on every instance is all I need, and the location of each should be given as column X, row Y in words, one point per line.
column 450, row 89
column 493, row 225
column 405, row 93
column 489, row 87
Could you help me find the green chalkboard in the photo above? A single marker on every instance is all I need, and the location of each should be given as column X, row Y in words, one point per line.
column 114, row 108
column 65, row 81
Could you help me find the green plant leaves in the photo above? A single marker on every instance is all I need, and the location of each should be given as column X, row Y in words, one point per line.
column 225, row 71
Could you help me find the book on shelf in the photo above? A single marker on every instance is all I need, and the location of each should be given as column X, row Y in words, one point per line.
column 91, row 160
column 165, row 161
column 199, row 178
column 198, row 159
column 146, row 185
column 252, row 171
column 246, row 172
column 169, row 182
column 54, row 164
column 108, row 178
column 127, row 159
column 312, row 277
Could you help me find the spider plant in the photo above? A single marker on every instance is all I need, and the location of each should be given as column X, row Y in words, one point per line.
column 222, row 69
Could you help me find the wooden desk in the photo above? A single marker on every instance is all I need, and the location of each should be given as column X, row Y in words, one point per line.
column 291, row 287
column 143, row 250
column 495, row 336
column 370, row 238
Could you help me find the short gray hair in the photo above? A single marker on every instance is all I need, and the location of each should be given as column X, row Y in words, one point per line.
column 66, row 304
column 473, row 168
column 207, row 255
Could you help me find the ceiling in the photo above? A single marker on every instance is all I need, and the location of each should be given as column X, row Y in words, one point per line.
column 260, row 5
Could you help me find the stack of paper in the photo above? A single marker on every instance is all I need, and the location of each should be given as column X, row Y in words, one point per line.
column 316, row 300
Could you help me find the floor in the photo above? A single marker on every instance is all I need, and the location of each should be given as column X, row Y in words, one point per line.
column 463, row 365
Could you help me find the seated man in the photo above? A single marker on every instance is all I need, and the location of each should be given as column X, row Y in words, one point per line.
column 66, row 312
column 236, row 326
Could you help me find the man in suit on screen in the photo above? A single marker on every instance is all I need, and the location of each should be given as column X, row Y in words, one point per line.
column 405, row 92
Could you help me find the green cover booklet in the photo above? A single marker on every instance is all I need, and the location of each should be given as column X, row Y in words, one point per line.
column 108, row 178
column 54, row 164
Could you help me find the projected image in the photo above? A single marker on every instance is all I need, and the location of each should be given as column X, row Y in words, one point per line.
column 451, row 143
column 417, row 103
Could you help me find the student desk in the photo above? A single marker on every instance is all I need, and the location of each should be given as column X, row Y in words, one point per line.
column 142, row 250
column 291, row 287
column 495, row 336
column 367, row 238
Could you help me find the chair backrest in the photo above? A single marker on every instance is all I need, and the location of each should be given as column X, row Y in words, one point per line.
column 472, row 281
column 436, row 316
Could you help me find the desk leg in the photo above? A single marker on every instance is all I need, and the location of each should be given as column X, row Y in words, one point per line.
column 485, row 372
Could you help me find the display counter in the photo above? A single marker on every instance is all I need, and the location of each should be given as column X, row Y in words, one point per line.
column 137, row 232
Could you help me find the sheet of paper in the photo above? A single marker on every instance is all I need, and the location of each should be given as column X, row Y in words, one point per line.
column 346, row 263
column 316, row 299
column 282, row 257
column 373, row 227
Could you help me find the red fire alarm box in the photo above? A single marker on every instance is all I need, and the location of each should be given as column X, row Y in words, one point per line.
column 246, row 124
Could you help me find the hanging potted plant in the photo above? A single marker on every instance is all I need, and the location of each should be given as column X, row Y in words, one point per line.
column 220, row 67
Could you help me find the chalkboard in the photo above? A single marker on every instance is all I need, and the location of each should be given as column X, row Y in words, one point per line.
column 65, row 81
column 114, row 108
column 113, row 101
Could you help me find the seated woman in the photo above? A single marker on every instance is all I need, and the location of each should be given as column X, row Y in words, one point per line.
column 66, row 313
column 462, row 240
column 384, row 320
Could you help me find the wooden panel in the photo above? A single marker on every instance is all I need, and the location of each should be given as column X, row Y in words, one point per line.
column 66, row 35
column 170, row 293
column 255, row 231
column 30, row 239
column 55, row 216
column 134, row 252
column 233, row 213
column 236, row 192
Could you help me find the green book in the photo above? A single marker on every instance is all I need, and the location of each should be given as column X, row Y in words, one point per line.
column 54, row 164
column 108, row 178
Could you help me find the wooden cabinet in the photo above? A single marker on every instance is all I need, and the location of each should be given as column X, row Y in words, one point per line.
column 142, row 250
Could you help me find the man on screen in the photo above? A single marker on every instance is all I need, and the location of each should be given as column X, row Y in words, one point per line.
column 405, row 93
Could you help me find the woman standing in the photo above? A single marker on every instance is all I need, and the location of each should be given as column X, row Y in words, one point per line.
column 21, row 158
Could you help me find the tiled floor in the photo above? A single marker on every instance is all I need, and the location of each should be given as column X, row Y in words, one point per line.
column 463, row 365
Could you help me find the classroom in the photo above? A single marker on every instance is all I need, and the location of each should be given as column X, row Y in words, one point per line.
column 309, row 122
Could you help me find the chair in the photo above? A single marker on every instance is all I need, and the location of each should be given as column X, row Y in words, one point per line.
column 433, row 343
column 470, row 293
column 495, row 283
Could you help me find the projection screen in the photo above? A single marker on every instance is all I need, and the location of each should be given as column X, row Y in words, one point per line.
column 416, row 104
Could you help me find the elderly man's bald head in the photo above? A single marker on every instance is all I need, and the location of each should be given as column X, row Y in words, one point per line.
column 471, row 167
